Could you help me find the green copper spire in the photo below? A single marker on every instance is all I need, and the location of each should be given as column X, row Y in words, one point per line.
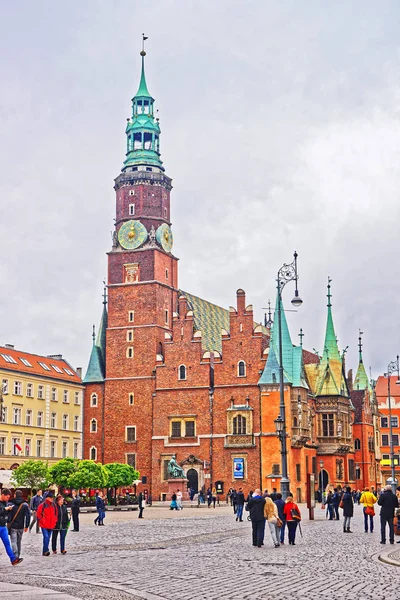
column 293, row 370
column 96, row 370
column 331, row 350
column 330, row 380
column 361, row 379
column 143, row 130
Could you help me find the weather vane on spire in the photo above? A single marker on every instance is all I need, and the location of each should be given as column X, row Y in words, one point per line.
column 144, row 38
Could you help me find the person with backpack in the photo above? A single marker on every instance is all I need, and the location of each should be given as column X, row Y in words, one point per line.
column 61, row 526
column 281, row 505
column 18, row 521
column 293, row 516
column 47, row 517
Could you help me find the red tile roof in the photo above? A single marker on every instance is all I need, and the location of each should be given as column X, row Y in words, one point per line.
column 34, row 364
column 381, row 389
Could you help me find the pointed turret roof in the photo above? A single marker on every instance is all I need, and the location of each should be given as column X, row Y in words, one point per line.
column 96, row 370
column 293, row 371
column 361, row 381
column 330, row 380
column 142, row 92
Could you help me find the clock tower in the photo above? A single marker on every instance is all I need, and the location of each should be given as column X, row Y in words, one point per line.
column 142, row 297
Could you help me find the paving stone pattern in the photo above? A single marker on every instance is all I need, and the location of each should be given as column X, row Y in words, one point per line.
column 198, row 554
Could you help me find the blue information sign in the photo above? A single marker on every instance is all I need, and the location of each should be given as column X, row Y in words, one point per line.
column 238, row 468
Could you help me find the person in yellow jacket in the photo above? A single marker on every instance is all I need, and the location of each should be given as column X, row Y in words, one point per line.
column 368, row 500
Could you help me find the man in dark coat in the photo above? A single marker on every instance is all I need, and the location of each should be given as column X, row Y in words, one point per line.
column 35, row 501
column 388, row 503
column 141, row 505
column 239, row 505
column 256, row 508
column 75, row 509
column 5, row 508
column 337, row 496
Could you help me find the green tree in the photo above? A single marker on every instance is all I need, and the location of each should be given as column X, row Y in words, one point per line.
column 89, row 474
column 32, row 474
column 62, row 471
column 120, row 474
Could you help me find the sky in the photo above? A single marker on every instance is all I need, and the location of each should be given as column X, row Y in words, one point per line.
column 280, row 129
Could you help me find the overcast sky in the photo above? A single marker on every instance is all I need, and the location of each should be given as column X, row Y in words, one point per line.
column 280, row 129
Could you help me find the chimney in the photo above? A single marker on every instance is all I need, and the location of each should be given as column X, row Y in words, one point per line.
column 241, row 301
column 79, row 372
column 10, row 346
column 350, row 379
column 55, row 356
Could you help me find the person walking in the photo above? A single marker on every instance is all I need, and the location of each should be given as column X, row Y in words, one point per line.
column 34, row 504
column 280, row 504
column 256, row 508
column 271, row 515
column 348, row 508
column 329, row 505
column 5, row 508
column 174, row 504
column 234, row 500
column 75, row 509
column 141, row 505
column 239, row 505
column 273, row 494
column 179, row 499
column 368, row 499
column 100, row 506
column 388, row 503
column 209, row 498
column 61, row 526
column 18, row 521
column 47, row 517
column 293, row 516
column 337, row 496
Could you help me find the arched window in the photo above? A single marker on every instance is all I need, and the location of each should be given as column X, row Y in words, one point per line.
column 182, row 372
column 357, row 444
column 93, row 400
column 241, row 368
column 93, row 425
column 239, row 425
column 93, row 453
column 358, row 473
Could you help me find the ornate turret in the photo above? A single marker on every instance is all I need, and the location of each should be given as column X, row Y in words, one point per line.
column 361, row 380
column 97, row 363
column 331, row 379
column 142, row 130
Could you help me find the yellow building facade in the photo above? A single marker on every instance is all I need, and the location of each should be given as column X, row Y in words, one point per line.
column 41, row 408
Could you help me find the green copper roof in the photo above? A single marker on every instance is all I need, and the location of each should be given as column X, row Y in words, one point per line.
column 209, row 319
column 330, row 380
column 143, row 91
column 142, row 130
column 293, row 370
column 96, row 370
column 361, row 381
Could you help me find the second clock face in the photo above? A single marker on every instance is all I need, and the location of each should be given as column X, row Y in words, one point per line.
column 164, row 237
column 132, row 234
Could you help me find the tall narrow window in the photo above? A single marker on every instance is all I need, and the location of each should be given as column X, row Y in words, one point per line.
column 64, row 450
column 29, row 390
column 93, row 400
column 131, row 316
column 182, row 372
column 328, row 425
column 18, row 388
column 53, row 420
column 241, row 368
column 65, row 422
column 93, row 453
column 52, row 448
column 28, row 447
column 76, row 446
column 93, row 425
column 76, row 423
column 129, row 335
column 39, row 444
column 131, row 209
column 65, row 396
column 129, row 352
column 131, row 399
column 40, row 392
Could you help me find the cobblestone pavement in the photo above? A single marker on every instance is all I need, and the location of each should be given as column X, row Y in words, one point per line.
column 201, row 553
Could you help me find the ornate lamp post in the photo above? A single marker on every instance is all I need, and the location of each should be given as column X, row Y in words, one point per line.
column 285, row 274
column 393, row 367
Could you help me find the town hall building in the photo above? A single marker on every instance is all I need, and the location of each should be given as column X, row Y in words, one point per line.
column 171, row 374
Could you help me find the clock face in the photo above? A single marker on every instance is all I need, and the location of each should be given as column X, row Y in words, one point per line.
column 132, row 234
column 164, row 237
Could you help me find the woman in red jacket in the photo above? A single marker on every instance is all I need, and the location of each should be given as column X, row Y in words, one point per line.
column 47, row 518
column 293, row 516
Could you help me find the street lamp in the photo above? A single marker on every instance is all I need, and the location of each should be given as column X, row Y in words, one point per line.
column 285, row 274
column 393, row 367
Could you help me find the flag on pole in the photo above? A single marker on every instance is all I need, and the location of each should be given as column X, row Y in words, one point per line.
column 17, row 447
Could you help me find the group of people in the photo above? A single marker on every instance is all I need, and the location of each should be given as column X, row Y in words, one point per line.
column 345, row 499
column 47, row 511
column 272, row 509
column 176, row 501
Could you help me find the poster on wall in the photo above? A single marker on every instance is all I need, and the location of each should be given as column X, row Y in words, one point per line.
column 238, row 468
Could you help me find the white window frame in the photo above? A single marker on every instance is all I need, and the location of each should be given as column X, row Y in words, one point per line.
column 76, row 449
column 39, row 448
column 241, row 362
column 93, row 455
column 129, row 352
column 53, row 420
column 4, row 386
column 93, row 400
column 131, row 210
column 17, row 414
column 40, row 392
column 93, row 422
column 64, row 449
column 53, row 448
column 14, row 442
column 76, row 423
column 18, row 388
column 30, row 392
column 77, row 398
column 129, row 335
column 39, row 417
column 126, row 434
column 131, row 316
column 65, row 396
column 54, row 394
column 179, row 373
column 65, row 422
column 28, row 447
column 29, row 417
column 3, row 445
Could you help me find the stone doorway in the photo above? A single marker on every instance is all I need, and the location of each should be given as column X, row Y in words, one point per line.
column 193, row 480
